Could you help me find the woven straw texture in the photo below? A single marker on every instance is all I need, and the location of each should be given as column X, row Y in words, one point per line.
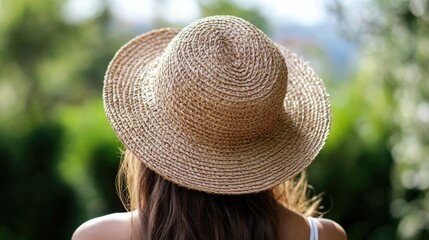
column 217, row 106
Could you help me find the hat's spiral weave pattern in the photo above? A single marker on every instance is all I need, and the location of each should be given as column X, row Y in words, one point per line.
column 205, row 107
column 218, row 86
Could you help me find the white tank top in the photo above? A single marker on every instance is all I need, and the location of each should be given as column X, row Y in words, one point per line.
column 314, row 231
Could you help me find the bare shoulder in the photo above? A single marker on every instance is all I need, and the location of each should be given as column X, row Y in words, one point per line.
column 330, row 230
column 114, row 226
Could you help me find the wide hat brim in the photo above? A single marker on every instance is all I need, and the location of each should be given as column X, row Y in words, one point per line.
column 256, row 166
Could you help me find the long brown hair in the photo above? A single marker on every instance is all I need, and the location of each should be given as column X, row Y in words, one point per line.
column 168, row 211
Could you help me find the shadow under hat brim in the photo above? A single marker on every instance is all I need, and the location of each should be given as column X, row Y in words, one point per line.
column 259, row 165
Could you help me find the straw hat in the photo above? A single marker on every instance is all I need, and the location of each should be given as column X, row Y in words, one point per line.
column 217, row 106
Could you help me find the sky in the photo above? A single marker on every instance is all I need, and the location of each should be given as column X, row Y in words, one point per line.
column 306, row 12
column 300, row 12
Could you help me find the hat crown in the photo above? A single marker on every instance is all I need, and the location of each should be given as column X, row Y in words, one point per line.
column 222, row 80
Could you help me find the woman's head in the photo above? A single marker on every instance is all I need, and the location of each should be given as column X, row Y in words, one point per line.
column 169, row 211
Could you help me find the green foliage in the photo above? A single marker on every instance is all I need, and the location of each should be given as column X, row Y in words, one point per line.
column 397, row 43
column 404, row 49
column 353, row 168
column 35, row 195
column 50, row 72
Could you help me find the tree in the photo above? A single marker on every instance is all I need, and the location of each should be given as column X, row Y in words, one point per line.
column 395, row 34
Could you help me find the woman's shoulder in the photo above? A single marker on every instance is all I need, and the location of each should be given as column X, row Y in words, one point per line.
column 327, row 229
column 114, row 226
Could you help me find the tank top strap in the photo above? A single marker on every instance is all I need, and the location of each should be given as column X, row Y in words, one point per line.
column 314, row 231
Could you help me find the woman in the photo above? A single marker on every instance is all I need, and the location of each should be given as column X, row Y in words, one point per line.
column 216, row 120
